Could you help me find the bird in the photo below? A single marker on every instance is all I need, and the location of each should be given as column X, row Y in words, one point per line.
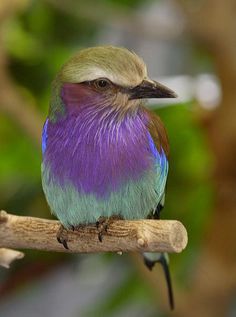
column 104, row 154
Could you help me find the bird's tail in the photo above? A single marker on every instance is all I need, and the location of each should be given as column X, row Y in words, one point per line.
column 150, row 259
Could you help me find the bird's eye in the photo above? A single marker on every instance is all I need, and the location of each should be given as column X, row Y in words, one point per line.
column 102, row 83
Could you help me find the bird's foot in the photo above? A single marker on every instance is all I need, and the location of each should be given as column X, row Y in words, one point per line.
column 103, row 224
column 62, row 236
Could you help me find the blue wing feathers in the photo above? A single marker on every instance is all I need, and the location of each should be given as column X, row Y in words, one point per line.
column 161, row 166
column 44, row 136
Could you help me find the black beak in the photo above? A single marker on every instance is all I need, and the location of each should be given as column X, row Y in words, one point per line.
column 150, row 89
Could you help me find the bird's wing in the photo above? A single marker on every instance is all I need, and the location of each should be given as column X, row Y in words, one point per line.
column 158, row 142
column 158, row 132
column 161, row 165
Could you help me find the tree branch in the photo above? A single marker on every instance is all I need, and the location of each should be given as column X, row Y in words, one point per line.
column 122, row 235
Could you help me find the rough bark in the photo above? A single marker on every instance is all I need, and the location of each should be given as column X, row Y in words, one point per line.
column 20, row 232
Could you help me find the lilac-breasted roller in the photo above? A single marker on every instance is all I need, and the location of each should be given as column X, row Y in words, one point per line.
column 104, row 153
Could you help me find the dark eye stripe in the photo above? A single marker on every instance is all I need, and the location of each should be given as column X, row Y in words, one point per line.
column 99, row 83
column 110, row 84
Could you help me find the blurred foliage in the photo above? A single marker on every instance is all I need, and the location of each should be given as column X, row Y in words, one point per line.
column 38, row 41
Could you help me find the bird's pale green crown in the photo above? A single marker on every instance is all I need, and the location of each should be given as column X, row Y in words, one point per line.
column 119, row 65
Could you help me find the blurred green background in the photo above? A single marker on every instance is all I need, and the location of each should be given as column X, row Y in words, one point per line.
column 189, row 45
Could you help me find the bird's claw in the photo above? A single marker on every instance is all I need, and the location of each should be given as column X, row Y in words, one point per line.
column 103, row 224
column 102, row 227
column 62, row 236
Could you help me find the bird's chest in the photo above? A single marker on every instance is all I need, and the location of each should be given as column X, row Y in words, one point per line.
column 97, row 158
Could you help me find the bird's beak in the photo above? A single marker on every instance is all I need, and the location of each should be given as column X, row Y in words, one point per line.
column 150, row 89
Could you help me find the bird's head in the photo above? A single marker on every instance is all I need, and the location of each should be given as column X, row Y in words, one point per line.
column 105, row 77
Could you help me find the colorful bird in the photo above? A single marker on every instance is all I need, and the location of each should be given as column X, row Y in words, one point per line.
column 104, row 154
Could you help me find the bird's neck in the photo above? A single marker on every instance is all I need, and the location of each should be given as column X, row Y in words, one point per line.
column 102, row 126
